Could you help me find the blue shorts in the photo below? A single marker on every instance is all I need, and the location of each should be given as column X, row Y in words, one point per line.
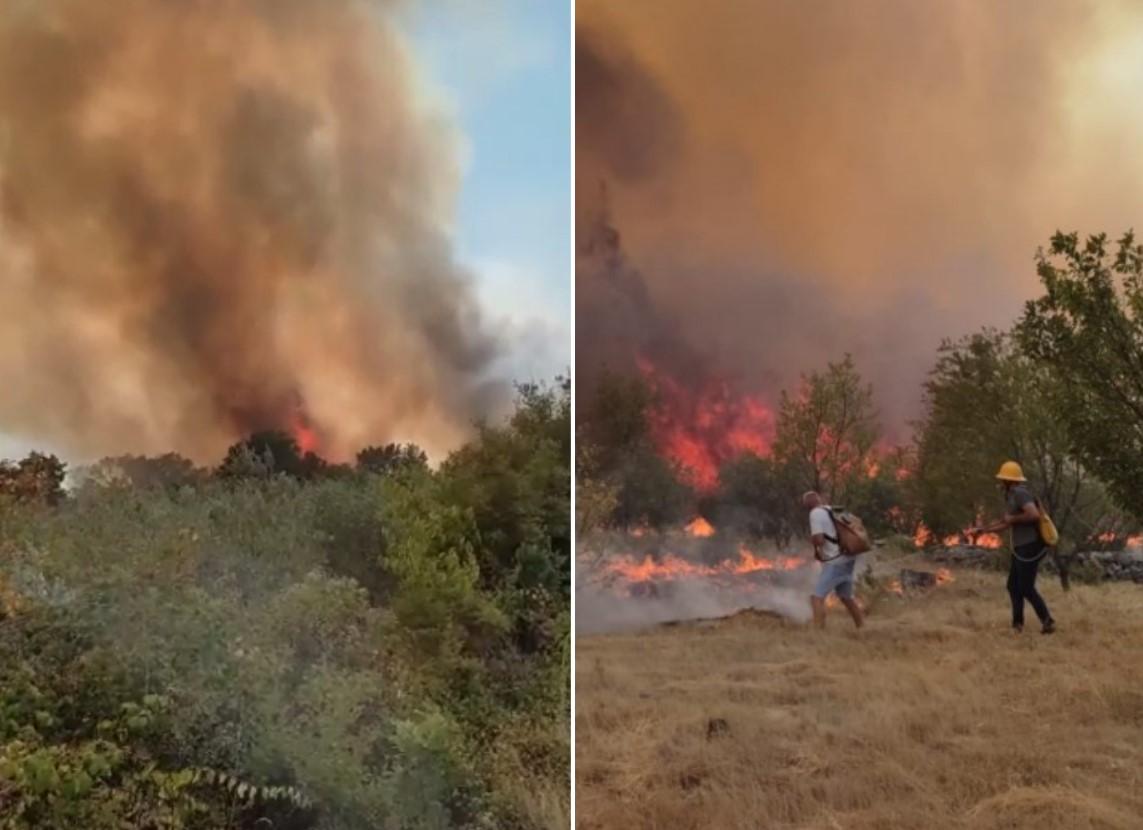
column 836, row 575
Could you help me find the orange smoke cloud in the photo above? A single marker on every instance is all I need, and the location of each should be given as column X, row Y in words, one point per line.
column 796, row 180
column 209, row 212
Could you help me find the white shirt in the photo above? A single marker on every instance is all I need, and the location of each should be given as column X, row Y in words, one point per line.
column 820, row 522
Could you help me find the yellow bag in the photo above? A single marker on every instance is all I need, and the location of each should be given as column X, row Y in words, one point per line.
column 1047, row 527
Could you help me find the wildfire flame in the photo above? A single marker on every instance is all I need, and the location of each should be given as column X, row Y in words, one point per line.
column 703, row 428
column 672, row 567
column 923, row 538
column 700, row 528
column 304, row 434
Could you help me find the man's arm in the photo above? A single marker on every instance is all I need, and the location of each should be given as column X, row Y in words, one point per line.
column 819, row 543
column 1028, row 515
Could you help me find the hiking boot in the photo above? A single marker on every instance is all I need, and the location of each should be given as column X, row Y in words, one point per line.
column 1016, row 629
column 1049, row 627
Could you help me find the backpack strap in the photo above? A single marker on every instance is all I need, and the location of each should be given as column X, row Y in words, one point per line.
column 836, row 538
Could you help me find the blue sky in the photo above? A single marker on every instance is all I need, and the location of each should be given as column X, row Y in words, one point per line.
column 504, row 67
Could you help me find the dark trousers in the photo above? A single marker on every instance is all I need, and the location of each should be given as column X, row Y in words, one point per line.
column 1022, row 583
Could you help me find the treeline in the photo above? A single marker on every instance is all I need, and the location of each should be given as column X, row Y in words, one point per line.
column 827, row 438
column 1061, row 392
column 41, row 477
column 281, row 642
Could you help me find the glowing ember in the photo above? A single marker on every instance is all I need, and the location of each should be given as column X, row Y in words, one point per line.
column 945, row 576
column 702, row 429
column 923, row 537
column 700, row 528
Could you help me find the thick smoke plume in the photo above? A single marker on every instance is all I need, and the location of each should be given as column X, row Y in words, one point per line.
column 222, row 217
column 797, row 180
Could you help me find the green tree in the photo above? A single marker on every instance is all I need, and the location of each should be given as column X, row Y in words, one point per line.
column 516, row 481
column 391, row 458
column 759, row 496
column 165, row 471
column 1088, row 328
column 882, row 496
column 595, row 497
column 986, row 402
column 613, row 419
column 272, row 452
column 623, row 461
column 827, row 431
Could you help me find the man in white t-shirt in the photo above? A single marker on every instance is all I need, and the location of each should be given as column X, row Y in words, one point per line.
column 838, row 569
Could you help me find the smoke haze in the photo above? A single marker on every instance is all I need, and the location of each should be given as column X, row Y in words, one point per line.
column 796, row 180
column 626, row 581
column 221, row 217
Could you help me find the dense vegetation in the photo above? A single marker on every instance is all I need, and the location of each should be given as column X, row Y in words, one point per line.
column 1062, row 393
column 291, row 644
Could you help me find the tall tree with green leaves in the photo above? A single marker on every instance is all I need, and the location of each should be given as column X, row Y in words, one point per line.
column 1088, row 328
column 392, row 458
column 827, row 430
column 618, row 454
column 985, row 403
column 756, row 495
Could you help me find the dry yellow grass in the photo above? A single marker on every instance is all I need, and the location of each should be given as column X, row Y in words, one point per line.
column 934, row 716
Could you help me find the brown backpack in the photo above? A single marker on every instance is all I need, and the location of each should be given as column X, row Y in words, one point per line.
column 852, row 537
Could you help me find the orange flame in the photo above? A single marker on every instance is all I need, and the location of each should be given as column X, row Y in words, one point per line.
column 700, row 528
column 304, row 435
column 923, row 538
column 702, row 429
column 672, row 567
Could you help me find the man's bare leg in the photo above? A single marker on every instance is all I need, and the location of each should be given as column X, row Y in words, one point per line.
column 854, row 610
column 818, row 604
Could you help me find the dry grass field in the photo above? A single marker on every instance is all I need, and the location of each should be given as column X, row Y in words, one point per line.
column 935, row 715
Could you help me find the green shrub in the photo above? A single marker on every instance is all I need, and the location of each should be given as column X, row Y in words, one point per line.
column 332, row 653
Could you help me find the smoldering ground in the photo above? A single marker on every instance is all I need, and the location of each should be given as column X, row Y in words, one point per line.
column 793, row 181
column 216, row 217
column 628, row 582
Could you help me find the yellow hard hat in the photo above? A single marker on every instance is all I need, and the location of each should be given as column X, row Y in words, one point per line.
column 1010, row 471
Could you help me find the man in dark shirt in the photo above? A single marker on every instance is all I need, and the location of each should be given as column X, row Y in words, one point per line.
column 1023, row 516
